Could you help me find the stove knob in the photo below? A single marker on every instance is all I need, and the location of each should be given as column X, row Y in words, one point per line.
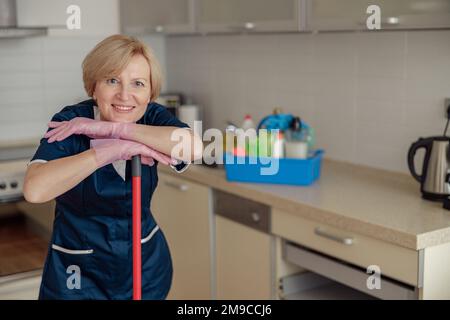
column 2, row 186
column 13, row 184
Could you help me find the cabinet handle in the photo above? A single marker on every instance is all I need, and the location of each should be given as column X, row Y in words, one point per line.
column 344, row 240
column 248, row 26
column 179, row 187
column 255, row 217
column 387, row 22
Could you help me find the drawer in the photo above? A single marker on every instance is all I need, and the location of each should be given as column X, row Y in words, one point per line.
column 247, row 212
column 340, row 278
column 311, row 286
column 394, row 261
column 175, row 184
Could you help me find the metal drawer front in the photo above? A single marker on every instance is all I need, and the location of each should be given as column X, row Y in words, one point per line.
column 250, row 213
column 344, row 273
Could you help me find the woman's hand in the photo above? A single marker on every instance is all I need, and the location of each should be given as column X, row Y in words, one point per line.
column 92, row 128
column 110, row 150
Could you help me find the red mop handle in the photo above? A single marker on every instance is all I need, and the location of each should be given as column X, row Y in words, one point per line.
column 137, row 263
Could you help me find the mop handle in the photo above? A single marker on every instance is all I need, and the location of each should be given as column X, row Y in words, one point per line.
column 137, row 263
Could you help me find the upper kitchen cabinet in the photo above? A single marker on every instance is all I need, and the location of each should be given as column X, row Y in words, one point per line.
column 155, row 16
column 398, row 14
column 250, row 15
column 97, row 18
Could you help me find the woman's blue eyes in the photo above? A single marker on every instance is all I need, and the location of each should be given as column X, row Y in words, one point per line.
column 111, row 81
column 135, row 83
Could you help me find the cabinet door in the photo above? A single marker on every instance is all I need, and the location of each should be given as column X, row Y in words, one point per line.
column 149, row 16
column 243, row 261
column 248, row 15
column 43, row 13
column 24, row 286
column 181, row 209
column 398, row 14
column 100, row 17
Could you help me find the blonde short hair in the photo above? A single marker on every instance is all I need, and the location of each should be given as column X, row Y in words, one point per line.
column 112, row 55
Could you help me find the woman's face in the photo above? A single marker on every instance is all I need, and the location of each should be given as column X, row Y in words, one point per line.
column 124, row 98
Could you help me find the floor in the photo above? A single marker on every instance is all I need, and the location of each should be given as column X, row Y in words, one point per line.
column 21, row 249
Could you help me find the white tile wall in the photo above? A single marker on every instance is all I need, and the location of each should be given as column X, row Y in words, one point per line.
column 39, row 76
column 369, row 95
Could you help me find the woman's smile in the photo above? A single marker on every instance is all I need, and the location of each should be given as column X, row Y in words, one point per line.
column 121, row 108
column 124, row 97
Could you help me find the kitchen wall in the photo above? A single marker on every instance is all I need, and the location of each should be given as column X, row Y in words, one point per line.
column 39, row 76
column 369, row 95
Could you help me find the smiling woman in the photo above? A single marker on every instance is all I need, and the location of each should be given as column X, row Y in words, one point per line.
column 122, row 76
column 82, row 163
column 123, row 97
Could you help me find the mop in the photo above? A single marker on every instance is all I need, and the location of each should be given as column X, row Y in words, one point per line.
column 136, row 190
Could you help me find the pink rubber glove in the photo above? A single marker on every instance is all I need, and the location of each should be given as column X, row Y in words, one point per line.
column 92, row 128
column 110, row 150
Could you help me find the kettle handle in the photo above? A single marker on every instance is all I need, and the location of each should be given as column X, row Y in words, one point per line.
column 421, row 143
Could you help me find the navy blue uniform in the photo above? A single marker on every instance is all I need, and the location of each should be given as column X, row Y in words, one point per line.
column 90, row 253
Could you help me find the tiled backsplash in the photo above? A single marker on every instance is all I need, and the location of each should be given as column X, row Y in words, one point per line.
column 39, row 76
column 369, row 95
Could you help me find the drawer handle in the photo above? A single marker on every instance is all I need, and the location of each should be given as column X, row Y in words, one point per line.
column 344, row 240
column 247, row 26
column 255, row 217
column 179, row 187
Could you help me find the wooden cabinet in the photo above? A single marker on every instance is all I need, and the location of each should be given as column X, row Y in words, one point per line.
column 237, row 16
column 243, row 262
column 244, row 250
column 345, row 257
column 436, row 275
column 45, row 13
column 21, row 286
column 229, row 247
column 249, row 15
column 398, row 14
column 100, row 17
column 156, row 16
column 396, row 262
column 182, row 210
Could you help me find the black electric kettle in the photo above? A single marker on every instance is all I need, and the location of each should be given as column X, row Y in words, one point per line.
column 434, row 178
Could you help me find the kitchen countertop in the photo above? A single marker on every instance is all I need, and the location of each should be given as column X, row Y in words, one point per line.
column 381, row 204
column 29, row 142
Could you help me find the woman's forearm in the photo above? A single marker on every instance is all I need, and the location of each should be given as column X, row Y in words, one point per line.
column 161, row 138
column 46, row 181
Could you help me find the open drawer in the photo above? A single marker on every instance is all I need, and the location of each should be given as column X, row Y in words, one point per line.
column 311, row 286
column 337, row 272
column 396, row 262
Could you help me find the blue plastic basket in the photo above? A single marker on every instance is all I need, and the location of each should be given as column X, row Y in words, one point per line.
column 290, row 171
